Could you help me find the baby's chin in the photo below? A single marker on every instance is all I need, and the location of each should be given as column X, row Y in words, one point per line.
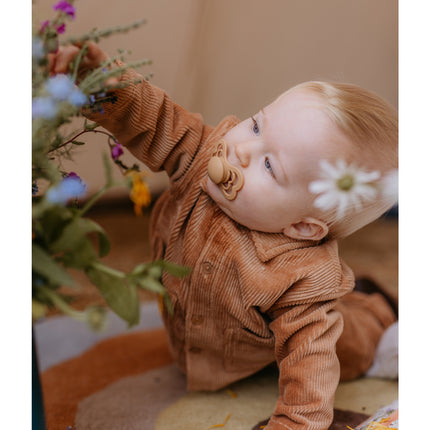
column 227, row 206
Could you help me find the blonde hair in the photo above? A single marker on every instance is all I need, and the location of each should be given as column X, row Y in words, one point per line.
column 371, row 124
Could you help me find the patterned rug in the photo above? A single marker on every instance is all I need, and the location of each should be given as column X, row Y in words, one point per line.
column 129, row 382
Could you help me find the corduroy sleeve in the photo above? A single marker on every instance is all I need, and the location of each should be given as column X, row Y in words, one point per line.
column 157, row 131
column 305, row 348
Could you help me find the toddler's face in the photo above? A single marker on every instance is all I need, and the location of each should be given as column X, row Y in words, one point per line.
column 277, row 151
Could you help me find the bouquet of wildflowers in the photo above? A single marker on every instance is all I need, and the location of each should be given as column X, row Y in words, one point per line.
column 63, row 237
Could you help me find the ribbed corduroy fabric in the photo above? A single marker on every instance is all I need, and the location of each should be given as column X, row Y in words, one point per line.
column 252, row 298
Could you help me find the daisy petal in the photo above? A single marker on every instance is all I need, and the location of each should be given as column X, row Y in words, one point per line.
column 317, row 187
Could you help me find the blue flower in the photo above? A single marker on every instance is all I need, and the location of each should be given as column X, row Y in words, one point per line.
column 38, row 49
column 77, row 97
column 60, row 87
column 44, row 107
column 70, row 187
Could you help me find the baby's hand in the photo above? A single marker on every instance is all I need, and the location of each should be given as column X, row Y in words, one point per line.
column 60, row 61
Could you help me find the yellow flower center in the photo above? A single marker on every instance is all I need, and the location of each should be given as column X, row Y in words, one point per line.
column 345, row 183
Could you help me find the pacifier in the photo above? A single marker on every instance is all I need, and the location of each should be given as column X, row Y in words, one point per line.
column 222, row 173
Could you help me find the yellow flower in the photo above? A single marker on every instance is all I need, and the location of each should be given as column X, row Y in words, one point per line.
column 139, row 194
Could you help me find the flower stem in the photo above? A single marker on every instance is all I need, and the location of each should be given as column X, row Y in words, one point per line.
column 108, row 270
column 93, row 199
column 57, row 301
column 78, row 60
column 105, row 33
column 76, row 136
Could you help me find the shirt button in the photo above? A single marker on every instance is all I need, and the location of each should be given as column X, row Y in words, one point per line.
column 197, row 319
column 207, row 267
column 195, row 350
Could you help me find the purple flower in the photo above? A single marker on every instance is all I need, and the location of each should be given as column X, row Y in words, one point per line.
column 73, row 175
column 44, row 25
column 117, row 151
column 65, row 7
column 70, row 187
column 61, row 28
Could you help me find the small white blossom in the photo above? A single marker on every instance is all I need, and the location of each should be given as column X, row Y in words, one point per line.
column 342, row 187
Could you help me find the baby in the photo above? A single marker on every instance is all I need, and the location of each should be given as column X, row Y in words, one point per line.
column 247, row 209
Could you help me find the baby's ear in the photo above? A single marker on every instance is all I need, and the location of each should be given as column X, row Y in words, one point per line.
column 307, row 229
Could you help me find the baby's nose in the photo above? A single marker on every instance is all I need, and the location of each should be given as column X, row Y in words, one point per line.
column 243, row 154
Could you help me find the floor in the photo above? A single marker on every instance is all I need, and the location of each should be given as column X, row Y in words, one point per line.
column 370, row 252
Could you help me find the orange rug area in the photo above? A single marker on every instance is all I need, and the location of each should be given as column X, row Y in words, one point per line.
column 68, row 383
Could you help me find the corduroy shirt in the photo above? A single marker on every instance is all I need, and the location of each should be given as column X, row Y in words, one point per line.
column 252, row 298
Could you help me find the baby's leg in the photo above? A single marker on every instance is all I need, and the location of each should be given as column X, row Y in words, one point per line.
column 366, row 317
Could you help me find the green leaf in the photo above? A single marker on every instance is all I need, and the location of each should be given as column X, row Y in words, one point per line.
column 43, row 264
column 140, row 269
column 77, row 142
column 80, row 257
column 168, row 303
column 151, row 284
column 108, row 169
column 76, row 231
column 38, row 310
column 176, row 269
column 52, row 222
column 121, row 297
column 90, row 126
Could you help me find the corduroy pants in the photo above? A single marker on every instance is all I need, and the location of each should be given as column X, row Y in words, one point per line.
column 366, row 317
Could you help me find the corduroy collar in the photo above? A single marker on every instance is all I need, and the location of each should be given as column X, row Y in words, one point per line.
column 270, row 245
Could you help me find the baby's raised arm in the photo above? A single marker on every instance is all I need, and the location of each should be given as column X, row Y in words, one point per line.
column 141, row 116
column 156, row 130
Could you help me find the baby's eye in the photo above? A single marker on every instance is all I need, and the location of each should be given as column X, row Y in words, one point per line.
column 268, row 166
column 255, row 128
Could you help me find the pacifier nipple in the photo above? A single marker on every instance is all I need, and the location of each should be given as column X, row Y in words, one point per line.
column 217, row 171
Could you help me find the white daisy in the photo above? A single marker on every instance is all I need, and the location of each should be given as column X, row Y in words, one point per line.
column 342, row 187
column 390, row 184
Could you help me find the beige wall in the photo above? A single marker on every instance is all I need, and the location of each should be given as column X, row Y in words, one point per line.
column 223, row 57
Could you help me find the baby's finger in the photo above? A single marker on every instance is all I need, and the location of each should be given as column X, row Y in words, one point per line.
column 51, row 63
column 63, row 59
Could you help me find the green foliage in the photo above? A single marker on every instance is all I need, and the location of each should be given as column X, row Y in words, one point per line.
column 63, row 238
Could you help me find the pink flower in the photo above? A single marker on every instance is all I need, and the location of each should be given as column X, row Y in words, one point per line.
column 65, row 7
column 61, row 28
column 44, row 25
column 117, row 151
